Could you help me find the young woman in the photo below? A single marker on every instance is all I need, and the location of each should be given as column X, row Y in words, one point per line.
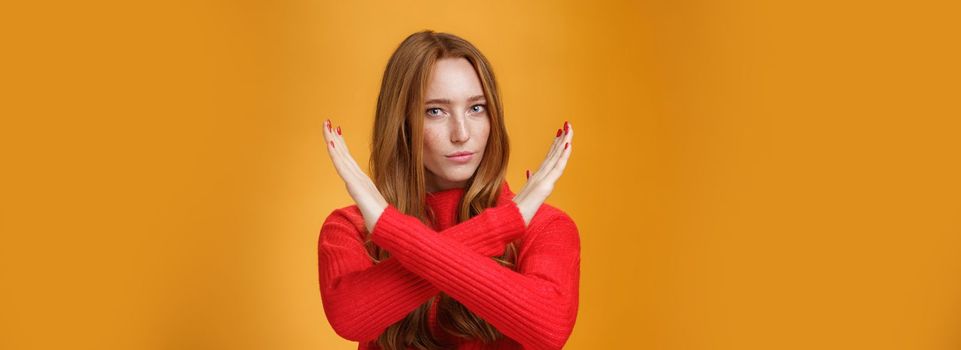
column 438, row 252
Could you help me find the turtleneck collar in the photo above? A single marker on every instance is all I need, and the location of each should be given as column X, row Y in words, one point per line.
column 444, row 203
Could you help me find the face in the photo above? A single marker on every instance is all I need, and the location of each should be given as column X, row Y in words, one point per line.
column 455, row 121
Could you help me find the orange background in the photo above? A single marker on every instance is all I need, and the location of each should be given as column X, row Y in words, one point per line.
column 746, row 174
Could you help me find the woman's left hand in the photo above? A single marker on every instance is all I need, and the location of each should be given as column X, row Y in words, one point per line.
column 369, row 200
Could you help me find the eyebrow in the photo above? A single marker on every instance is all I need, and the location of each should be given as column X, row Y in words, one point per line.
column 447, row 101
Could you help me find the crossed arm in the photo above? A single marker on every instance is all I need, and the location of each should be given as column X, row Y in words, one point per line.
column 535, row 305
column 361, row 299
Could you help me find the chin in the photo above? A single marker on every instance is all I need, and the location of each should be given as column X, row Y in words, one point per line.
column 460, row 176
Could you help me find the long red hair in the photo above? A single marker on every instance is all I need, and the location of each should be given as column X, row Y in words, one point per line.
column 396, row 166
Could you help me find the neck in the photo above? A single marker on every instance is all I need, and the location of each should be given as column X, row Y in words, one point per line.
column 434, row 183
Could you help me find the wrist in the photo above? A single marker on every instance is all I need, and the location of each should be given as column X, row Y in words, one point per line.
column 527, row 212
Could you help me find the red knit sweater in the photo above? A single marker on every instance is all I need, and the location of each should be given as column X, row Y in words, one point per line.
column 534, row 307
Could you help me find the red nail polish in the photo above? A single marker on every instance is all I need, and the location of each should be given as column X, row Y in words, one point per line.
column 331, row 143
column 565, row 127
column 528, row 173
column 338, row 130
column 565, row 145
column 558, row 133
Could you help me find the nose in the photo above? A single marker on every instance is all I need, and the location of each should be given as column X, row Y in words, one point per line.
column 459, row 131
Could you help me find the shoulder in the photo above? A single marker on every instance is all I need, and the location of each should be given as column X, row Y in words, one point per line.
column 344, row 219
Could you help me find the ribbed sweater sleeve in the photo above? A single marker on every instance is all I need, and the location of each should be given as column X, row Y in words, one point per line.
column 535, row 305
column 361, row 299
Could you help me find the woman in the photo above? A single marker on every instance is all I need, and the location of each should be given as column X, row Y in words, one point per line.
column 439, row 252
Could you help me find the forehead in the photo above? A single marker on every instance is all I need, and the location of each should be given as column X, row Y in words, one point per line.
column 454, row 79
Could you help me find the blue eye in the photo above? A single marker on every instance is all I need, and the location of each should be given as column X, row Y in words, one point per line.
column 483, row 107
column 432, row 109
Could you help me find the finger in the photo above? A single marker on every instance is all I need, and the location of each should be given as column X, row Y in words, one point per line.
column 551, row 158
column 341, row 150
column 556, row 172
column 336, row 156
column 344, row 150
column 340, row 136
column 326, row 136
column 358, row 176
column 339, row 145
column 559, row 135
column 329, row 141
column 561, row 148
column 564, row 145
column 558, row 169
column 338, row 160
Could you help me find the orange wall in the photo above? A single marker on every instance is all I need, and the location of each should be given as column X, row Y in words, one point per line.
column 746, row 175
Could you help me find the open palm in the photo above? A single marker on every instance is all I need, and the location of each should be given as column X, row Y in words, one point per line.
column 541, row 183
column 360, row 187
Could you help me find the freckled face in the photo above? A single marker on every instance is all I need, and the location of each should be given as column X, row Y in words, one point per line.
column 455, row 120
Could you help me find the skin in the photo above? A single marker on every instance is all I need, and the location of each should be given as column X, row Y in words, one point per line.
column 459, row 124
column 455, row 119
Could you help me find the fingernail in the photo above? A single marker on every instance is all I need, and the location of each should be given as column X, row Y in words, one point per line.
column 528, row 174
column 565, row 127
column 327, row 124
column 338, row 130
column 331, row 143
column 565, row 144
column 558, row 133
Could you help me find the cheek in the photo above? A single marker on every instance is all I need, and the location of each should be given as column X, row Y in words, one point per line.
column 430, row 142
column 486, row 133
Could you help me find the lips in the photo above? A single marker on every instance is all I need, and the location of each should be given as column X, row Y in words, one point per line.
column 461, row 157
column 458, row 154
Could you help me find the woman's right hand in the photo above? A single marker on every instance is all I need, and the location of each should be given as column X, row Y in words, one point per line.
column 540, row 184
